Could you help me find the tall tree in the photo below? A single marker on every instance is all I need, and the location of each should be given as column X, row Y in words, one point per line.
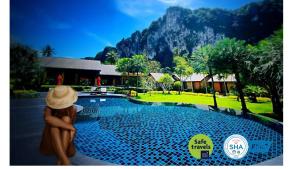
column 153, row 66
column 166, row 80
column 230, row 57
column 25, row 71
column 177, row 86
column 148, row 83
column 124, row 65
column 265, row 65
column 139, row 65
column 182, row 68
column 48, row 51
column 202, row 63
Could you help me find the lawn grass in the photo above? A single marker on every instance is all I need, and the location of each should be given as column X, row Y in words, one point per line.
column 223, row 101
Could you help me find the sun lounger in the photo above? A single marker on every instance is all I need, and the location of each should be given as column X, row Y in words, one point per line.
column 103, row 90
column 93, row 89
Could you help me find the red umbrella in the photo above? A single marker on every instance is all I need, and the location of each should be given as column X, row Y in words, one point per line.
column 59, row 79
column 98, row 81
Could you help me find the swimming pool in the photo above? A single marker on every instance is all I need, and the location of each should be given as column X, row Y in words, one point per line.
column 119, row 131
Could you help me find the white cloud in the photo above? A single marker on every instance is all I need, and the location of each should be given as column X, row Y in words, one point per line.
column 137, row 8
column 144, row 8
column 183, row 3
column 97, row 38
column 170, row 2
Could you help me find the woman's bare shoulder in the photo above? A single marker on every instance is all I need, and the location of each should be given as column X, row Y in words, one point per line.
column 47, row 110
column 74, row 108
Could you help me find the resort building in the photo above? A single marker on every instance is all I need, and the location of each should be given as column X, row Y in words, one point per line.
column 199, row 82
column 79, row 71
column 194, row 82
column 223, row 84
column 84, row 72
column 156, row 76
column 110, row 76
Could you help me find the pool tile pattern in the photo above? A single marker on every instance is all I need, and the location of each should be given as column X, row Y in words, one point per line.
column 125, row 133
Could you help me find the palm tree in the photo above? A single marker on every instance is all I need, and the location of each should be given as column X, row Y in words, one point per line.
column 112, row 57
column 265, row 67
column 182, row 69
column 48, row 51
column 229, row 57
column 139, row 65
column 124, row 65
column 201, row 62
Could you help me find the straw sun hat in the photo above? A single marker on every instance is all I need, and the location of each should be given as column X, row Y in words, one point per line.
column 61, row 97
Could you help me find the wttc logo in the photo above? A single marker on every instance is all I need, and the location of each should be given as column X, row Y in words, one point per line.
column 236, row 146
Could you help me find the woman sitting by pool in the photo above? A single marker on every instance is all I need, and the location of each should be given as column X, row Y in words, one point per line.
column 59, row 115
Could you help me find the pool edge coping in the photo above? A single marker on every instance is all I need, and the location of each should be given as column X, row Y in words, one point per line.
column 268, row 121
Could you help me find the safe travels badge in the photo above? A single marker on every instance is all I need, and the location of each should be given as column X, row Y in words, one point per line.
column 201, row 146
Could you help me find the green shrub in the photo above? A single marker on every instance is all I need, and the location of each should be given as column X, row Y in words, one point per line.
column 25, row 93
column 45, row 88
column 84, row 82
column 86, row 88
column 173, row 92
column 133, row 93
column 250, row 90
column 156, row 92
column 232, row 97
column 50, row 81
column 188, row 90
column 77, row 88
column 126, row 92
column 233, row 92
column 111, row 89
column 205, row 94
column 204, row 90
column 121, row 91
column 190, row 93
column 263, row 99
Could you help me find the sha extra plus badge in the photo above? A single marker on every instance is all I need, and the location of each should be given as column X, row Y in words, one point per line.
column 236, row 146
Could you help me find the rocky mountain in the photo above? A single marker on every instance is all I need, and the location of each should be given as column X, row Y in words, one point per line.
column 185, row 29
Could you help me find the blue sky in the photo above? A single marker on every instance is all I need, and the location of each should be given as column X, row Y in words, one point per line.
column 81, row 28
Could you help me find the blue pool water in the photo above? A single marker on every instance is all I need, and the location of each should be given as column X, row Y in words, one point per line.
column 118, row 131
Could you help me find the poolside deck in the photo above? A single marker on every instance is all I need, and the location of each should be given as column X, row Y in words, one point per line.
column 26, row 125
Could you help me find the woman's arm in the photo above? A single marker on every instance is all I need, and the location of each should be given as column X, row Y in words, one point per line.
column 56, row 122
